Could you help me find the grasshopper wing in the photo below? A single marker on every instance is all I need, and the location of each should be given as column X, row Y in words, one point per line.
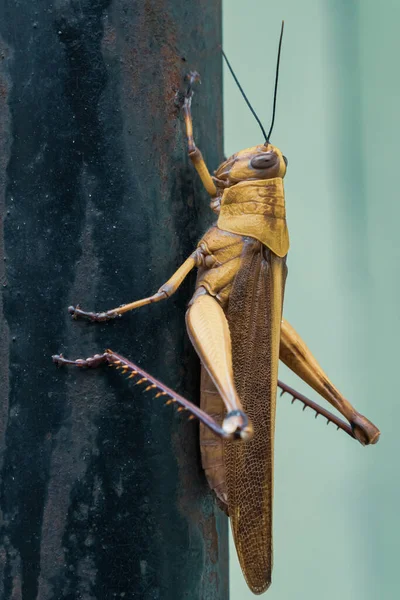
column 254, row 315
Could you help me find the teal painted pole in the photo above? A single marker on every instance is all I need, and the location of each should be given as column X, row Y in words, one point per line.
column 102, row 491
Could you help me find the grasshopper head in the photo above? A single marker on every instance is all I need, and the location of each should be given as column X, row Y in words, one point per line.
column 259, row 162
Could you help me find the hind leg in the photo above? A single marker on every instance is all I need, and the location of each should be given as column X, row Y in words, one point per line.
column 112, row 359
column 295, row 354
column 209, row 333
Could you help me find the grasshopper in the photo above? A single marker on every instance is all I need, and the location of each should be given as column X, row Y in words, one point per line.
column 234, row 321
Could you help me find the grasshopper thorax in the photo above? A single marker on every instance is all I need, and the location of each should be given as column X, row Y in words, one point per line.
column 258, row 162
column 251, row 199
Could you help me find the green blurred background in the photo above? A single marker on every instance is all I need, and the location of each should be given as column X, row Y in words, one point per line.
column 337, row 504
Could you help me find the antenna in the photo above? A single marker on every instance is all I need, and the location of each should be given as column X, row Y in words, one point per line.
column 276, row 83
column 244, row 95
column 275, row 90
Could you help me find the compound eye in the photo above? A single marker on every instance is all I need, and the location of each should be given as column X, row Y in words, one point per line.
column 264, row 160
column 285, row 159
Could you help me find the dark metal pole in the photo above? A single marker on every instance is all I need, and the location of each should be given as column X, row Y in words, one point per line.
column 102, row 491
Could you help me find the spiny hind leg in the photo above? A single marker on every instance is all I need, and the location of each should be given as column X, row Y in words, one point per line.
column 209, row 333
column 152, row 384
column 295, row 354
column 163, row 293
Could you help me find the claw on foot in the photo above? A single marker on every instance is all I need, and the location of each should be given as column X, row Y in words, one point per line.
column 57, row 359
column 364, row 431
column 183, row 99
column 192, row 77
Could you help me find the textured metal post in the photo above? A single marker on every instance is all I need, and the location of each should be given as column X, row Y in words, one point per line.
column 102, row 491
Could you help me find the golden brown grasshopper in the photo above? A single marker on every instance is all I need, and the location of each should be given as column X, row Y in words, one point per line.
column 235, row 323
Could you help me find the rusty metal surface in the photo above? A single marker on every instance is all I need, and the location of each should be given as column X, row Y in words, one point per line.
column 102, row 492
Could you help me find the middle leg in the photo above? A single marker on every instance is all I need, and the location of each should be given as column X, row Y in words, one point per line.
column 163, row 293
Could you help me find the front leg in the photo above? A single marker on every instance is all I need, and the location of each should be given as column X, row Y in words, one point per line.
column 194, row 153
column 164, row 292
column 295, row 354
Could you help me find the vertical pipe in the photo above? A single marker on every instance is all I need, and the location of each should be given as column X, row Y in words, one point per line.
column 102, row 492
